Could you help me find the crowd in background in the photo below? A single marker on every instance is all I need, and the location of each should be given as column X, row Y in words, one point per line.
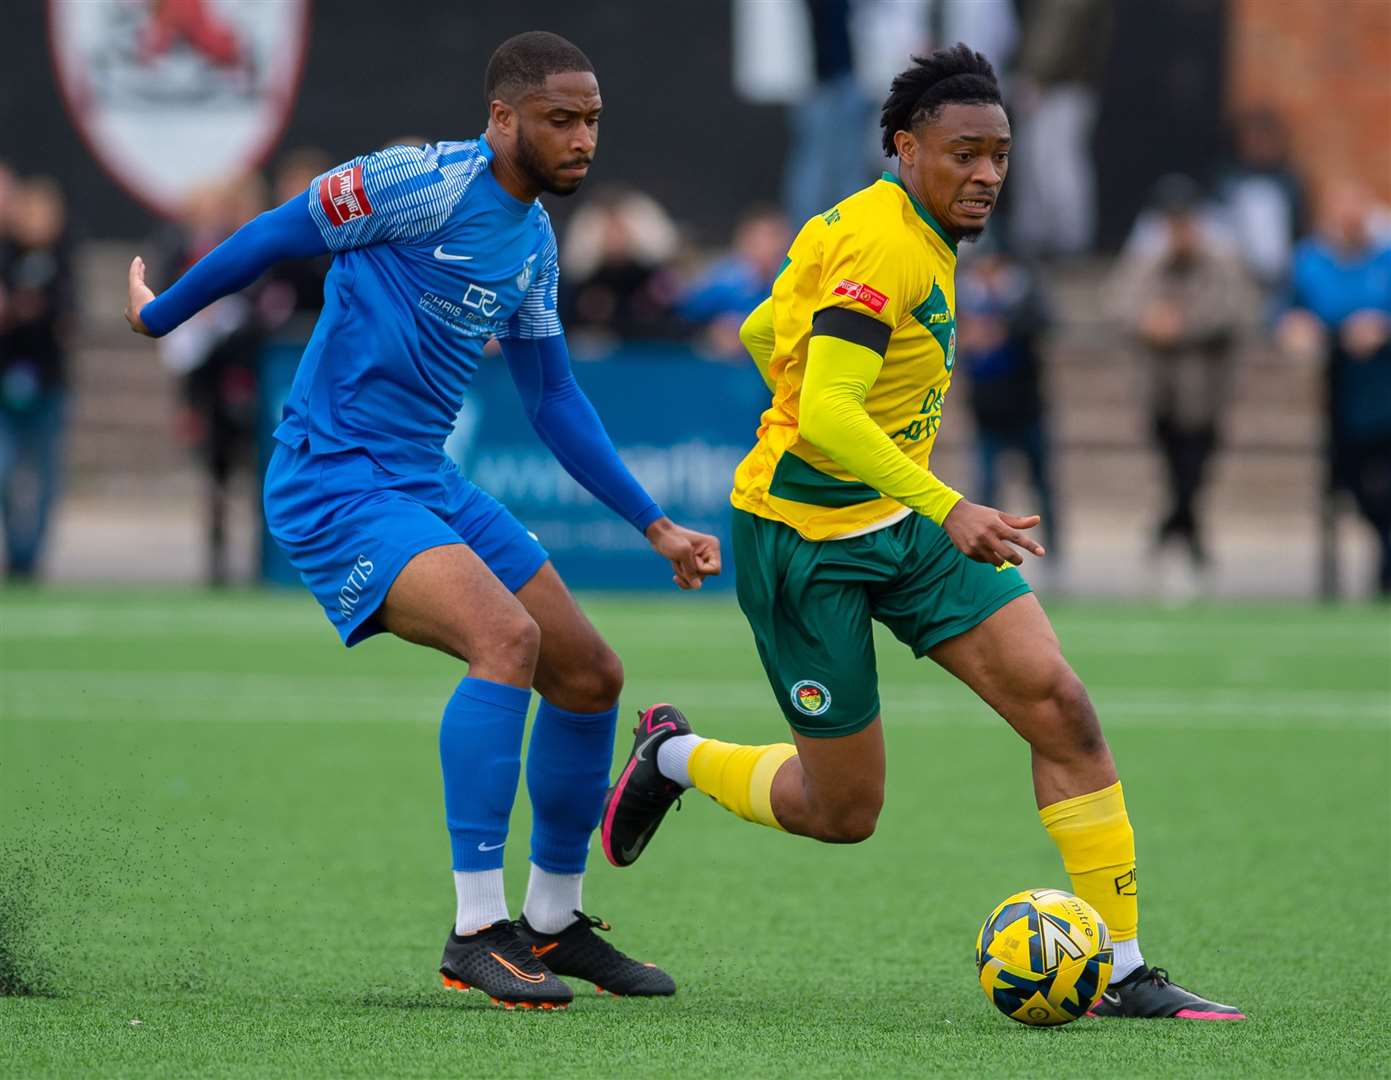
column 1245, row 251
column 215, row 355
column 1241, row 252
column 37, row 306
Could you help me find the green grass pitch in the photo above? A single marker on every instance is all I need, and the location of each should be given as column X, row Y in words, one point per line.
column 217, row 821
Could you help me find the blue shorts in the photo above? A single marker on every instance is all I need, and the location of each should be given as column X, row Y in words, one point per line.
column 349, row 527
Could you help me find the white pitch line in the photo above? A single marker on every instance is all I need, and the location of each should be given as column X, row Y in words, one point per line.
column 1093, row 630
column 218, row 697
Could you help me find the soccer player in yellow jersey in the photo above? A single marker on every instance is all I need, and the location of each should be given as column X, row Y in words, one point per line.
column 839, row 520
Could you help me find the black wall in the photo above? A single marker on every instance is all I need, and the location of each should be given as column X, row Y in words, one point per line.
column 1162, row 110
column 377, row 69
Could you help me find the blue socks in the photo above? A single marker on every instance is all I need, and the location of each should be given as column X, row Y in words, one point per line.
column 481, row 757
column 567, row 776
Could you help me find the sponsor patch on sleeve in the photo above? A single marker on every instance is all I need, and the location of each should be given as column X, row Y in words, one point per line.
column 871, row 298
column 343, row 196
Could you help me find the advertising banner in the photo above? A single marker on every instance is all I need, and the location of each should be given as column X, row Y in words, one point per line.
column 682, row 423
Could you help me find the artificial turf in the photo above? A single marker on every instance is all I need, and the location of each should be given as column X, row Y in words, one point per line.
column 216, row 822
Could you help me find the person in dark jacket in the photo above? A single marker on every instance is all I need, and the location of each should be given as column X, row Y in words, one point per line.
column 1002, row 316
column 36, row 307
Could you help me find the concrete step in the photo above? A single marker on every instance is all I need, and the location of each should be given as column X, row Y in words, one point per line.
column 126, row 402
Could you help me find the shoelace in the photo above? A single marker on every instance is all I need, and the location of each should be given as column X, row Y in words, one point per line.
column 593, row 920
column 595, row 923
column 1158, row 976
column 515, row 951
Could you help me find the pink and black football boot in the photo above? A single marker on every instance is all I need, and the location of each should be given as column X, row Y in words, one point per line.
column 640, row 799
column 1147, row 994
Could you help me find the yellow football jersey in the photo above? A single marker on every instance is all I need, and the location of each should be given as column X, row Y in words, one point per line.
column 878, row 253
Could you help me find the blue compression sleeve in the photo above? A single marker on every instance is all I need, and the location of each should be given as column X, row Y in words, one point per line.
column 567, row 423
column 287, row 232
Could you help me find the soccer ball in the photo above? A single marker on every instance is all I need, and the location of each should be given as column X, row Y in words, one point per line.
column 1044, row 957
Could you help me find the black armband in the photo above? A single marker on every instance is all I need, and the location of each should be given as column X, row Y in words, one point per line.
column 851, row 326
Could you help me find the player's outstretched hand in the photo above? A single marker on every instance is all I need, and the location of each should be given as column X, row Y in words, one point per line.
column 694, row 556
column 138, row 294
column 985, row 534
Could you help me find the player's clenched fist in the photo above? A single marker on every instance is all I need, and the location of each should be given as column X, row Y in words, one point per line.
column 694, row 556
column 985, row 534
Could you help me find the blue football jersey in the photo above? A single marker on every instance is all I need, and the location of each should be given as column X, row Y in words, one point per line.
column 432, row 258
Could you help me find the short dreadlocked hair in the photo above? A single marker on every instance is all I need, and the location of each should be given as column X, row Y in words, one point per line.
column 521, row 63
column 958, row 75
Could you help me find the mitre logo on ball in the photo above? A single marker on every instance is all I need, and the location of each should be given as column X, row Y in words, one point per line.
column 171, row 96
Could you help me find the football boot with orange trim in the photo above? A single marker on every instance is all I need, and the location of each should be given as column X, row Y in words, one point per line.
column 494, row 961
column 579, row 952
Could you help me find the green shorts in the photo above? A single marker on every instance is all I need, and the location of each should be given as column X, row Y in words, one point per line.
column 810, row 605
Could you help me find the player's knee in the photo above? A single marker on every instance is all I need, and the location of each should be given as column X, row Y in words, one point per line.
column 512, row 646
column 589, row 682
column 607, row 679
column 851, row 823
column 1075, row 717
column 600, row 682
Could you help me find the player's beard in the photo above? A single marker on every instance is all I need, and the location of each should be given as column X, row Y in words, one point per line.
column 529, row 161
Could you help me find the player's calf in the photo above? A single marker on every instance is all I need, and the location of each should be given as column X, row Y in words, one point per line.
column 830, row 789
column 829, row 812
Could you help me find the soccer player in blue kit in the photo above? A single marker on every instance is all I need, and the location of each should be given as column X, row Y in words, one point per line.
column 438, row 249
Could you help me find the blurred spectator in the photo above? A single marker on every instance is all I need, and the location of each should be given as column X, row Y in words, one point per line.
column 1262, row 197
column 616, row 278
column 1149, row 235
column 723, row 295
column 1002, row 316
column 826, row 156
column 988, row 26
column 216, row 353
column 1062, row 55
column 1340, row 309
column 1185, row 306
column 36, row 311
column 292, row 292
column 7, row 179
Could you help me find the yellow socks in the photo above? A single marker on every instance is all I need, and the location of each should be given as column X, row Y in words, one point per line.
column 1098, row 847
column 740, row 778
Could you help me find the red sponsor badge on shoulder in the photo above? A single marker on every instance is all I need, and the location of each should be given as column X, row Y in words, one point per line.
column 343, row 196
column 871, row 298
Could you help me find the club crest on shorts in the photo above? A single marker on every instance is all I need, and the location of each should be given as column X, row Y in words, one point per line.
column 810, row 697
